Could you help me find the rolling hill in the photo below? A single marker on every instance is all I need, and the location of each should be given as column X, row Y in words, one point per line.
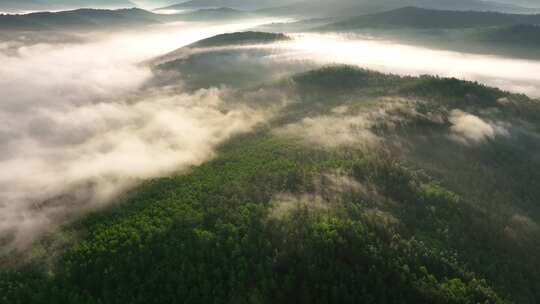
column 213, row 14
column 414, row 17
column 360, row 187
column 527, row 35
column 240, row 38
column 238, row 4
column 78, row 19
column 40, row 5
column 350, row 8
column 100, row 19
column 511, row 35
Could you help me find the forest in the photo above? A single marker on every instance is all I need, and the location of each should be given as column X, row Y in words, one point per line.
column 227, row 151
column 276, row 218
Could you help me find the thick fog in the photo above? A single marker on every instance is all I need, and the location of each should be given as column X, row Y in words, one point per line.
column 510, row 74
column 79, row 125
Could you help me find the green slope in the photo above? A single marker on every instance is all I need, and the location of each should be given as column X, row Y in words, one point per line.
column 417, row 218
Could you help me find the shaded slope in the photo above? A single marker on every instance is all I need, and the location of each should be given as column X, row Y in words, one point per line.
column 213, row 14
column 240, row 38
column 527, row 35
column 240, row 4
column 90, row 19
column 40, row 5
column 413, row 17
column 350, row 8
column 78, row 19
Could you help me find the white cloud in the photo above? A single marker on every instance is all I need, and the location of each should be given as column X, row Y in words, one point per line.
column 347, row 126
column 79, row 126
column 110, row 145
column 470, row 129
column 388, row 56
column 333, row 131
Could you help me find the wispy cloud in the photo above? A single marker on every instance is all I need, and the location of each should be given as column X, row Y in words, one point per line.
column 470, row 129
column 79, row 126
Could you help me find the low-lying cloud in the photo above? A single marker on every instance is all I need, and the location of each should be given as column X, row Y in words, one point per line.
column 108, row 146
column 347, row 126
column 80, row 125
column 516, row 75
column 333, row 131
column 470, row 129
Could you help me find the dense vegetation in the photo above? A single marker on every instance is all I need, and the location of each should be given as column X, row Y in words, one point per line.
column 240, row 38
column 419, row 218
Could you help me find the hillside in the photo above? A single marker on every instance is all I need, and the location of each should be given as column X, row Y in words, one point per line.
column 238, row 4
column 213, row 14
column 351, row 8
column 205, row 4
column 509, row 35
column 240, row 38
column 78, row 19
column 97, row 19
column 413, row 17
column 361, row 187
column 39, row 5
column 175, row 58
column 519, row 35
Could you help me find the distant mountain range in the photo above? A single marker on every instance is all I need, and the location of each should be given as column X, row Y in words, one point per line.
column 414, row 17
column 240, row 38
column 39, row 5
column 95, row 19
column 319, row 8
column 213, row 14
column 239, row 4
column 78, row 19
column 513, row 35
column 520, row 34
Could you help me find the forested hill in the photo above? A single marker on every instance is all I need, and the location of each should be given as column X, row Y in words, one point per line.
column 78, row 19
column 414, row 17
column 369, row 188
column 350, row 8
column 237, row 4
column 524, row 35
column 39, row 5
column 96, row 19
column 240, row 38
column 213, row 14
column 203, row 4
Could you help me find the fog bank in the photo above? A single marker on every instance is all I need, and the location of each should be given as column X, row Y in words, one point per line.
column 515, row 75
column 80, row 125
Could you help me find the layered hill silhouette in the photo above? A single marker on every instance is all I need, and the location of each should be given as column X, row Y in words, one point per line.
column 90, row 19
